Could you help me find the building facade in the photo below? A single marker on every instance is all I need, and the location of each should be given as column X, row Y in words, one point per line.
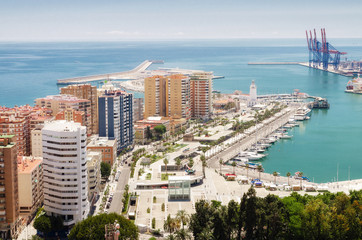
column 107, row 147
column 58, row 103
column 201, row 95
column 137, row 109
column 167, row 96
column 9, row 198
column 65, row 171
column 89, row 92
column 94, row 160
column 70, row 114
column 36, row 141
column 115, row 111
column 20, row 121
column 30, row 174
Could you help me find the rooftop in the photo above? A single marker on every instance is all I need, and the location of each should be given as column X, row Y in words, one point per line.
column 62, row 125
column 28, row 164
column 101, row 142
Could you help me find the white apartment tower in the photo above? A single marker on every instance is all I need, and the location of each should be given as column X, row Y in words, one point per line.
column 252, row 95
column 65, row 171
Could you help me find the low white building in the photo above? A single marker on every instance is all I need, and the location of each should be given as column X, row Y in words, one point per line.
column 65, row 171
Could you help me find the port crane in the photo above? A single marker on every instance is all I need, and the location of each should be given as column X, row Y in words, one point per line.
column 322, row 53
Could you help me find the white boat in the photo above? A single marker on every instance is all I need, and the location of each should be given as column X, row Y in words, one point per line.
column 302, row 114
column 252, row 156
column 284, row 136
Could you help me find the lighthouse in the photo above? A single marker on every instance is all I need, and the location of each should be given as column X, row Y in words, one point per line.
column 252, row 94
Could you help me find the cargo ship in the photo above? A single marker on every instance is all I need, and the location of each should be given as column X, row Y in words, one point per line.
column 354, row 85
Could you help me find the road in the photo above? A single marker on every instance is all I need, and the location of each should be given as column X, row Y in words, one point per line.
column 116, row 205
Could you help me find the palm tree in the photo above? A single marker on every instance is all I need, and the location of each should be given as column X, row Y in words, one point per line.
column 203, row 167
column 288, row 175
column 171, row 237
column 300, row 174
column 275, row 174
column 183, row 217
column 260, row 169
column 165, row 161
column 169, row 224
column 178, row 162
column 247, row 170
column 234, row 165
column 220, row 162
column 183, row 234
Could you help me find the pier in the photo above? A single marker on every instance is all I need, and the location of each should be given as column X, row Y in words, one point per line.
column 131, row 74
column 275, row 63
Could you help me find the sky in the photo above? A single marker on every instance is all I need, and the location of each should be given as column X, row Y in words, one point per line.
column 114, row 20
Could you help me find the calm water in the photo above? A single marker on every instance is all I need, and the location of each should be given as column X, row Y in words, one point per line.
column 328, row 139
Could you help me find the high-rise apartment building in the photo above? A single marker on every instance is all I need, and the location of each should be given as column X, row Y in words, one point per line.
column 89, row 92
column 167, row 96
column 30, row 174
column 201, row 93
column 20, row 121
column 70, row 114
column 65, row 171
column 9, row 198
column 58, row 103
column 137, row 109
column 36, row 141
column 115, row 111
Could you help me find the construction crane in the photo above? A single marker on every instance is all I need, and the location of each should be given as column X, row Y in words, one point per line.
column 322, row 53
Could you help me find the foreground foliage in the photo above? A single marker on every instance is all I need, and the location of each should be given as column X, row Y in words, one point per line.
column 94, row 227
column 327, row 216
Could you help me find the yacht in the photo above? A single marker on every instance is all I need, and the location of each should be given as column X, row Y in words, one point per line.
column 302, row 114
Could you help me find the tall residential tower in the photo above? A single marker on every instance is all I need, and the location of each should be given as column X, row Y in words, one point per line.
column 65, row 171
column 116, row 117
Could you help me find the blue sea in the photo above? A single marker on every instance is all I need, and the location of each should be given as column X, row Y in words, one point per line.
column 331, row 139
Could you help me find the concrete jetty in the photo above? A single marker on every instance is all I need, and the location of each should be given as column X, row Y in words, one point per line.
column 131, row 74
column 275, row 63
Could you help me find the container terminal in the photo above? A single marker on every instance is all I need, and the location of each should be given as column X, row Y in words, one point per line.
column 323, row 56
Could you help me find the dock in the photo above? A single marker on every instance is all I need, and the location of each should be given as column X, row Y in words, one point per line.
column 275, row 63
column 131, row 74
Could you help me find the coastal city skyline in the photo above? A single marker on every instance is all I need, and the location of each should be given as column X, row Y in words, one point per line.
column 152, row 20
column 180, row 120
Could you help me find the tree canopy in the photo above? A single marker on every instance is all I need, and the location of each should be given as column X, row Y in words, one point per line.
column 327, row 216
column 94, row 227
column 105, row 169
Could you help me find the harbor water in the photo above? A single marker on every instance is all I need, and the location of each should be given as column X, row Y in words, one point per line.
column 328, row 143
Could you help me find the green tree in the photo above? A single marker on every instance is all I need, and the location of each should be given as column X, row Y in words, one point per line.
column 105, row 169
column 288, row 176
column 234, row 165
column 300, row 175
column 220, row 162
column 183, row 217
column 178, row 162
column 43, row 224
column 204, row 164
column 159, row 130
column 275, row 174
column 247, row 170
column 260, row 169
column 316, row 220
column 165, row 161
column 149, row 134
column 191, row 163
column 94, row 227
